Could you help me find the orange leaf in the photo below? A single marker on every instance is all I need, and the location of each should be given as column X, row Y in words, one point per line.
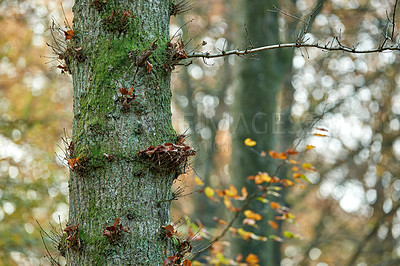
column 249, row 142
column 273, row 224
column 69, row 34
column 130, row 91
column 148, row 67
column 186, row 263
column 322, row 129
column 291, row 152
column 262, row 177
column 123, row 91
column 297, row 175
column 282, row 156
column 287, row 182
column 252, row 215
column 252, row 259
column 293, row 161
column 273, row 154
column 319, row 135
column 275, row 205
column 310, row 147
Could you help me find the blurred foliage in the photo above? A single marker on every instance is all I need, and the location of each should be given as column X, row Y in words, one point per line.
column 36, row 107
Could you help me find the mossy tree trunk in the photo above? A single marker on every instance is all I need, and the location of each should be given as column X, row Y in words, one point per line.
column 255, row 116
column 110, row 180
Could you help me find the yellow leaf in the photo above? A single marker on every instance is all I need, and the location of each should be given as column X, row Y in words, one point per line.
column 245, row 234
column 295, row 168
column 198, row 181
column 293, row 161
column 310, row 147
column 308, row 166
column 262, row 177
column 209, row 192
column 227, row 202
column 249, row 142
column 252, row 215
column 231, row 192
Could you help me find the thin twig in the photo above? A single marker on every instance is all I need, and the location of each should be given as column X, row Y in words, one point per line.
column 394, row 19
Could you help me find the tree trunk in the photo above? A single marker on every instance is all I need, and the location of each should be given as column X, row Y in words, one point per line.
column 254, row 114
column 109, row 180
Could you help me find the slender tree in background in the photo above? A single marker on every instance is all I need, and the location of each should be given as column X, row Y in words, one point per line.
column 255, row 110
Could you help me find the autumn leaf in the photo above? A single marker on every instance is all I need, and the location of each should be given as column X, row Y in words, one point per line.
column 275, row 205
column 186, row 263
column 261, row 178
column 245, row 234
column 295, row 168
column 170, row 230
column 198, row 181
column 252, row 259
column 297, row 175
column 319, row 135
column 308, row 167
column 310, row 147
column 209, row 192
column 249, row 142
column 73, row 162
column 69, row 34
column 231, row 192
column 273, row 154
column 227, row 202
column 287, row 182
column 148, row 67
column 252, row 215
column 291, row 152
column 291, row 161
column 282, row 156
column 273, row 224
column 263, row 154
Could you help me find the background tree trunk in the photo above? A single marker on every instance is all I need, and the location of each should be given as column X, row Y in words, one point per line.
column 255, row 110
column 111, row 181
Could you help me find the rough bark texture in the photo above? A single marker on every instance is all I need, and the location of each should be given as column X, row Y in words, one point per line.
column 255, row 116
column 110, row 180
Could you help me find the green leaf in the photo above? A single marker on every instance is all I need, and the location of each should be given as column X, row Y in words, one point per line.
column 263, row 200
column 289, row 234
column 305, row 178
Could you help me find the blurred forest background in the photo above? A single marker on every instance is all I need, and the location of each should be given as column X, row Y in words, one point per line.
column 349, row 215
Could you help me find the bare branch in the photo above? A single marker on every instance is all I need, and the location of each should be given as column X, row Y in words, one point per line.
column 338, row 47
